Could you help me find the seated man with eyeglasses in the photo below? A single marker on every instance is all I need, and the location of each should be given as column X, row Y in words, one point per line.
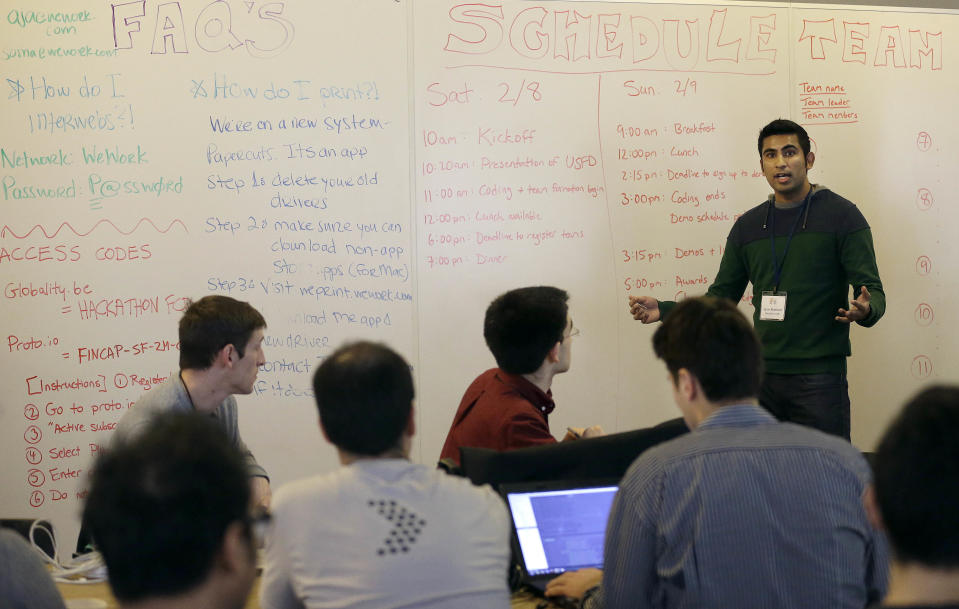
column 168, row 512
column 529, row 331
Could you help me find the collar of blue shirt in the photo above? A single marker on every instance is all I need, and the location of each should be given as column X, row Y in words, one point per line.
column 737, row 415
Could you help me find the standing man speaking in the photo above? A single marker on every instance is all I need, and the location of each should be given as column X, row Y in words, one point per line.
column 801, row 249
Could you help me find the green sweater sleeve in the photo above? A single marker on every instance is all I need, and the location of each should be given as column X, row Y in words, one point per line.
column 732, row 276
column 859, row 262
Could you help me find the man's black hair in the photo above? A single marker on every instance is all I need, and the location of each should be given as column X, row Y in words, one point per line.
column 522, row 325
column 211, row 323
column 364, row 393
column 712, row 339
column 160, row 504
column 782, row 126
column 917, row 479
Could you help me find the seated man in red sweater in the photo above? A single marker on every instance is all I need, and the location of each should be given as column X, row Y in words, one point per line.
column 530, row 333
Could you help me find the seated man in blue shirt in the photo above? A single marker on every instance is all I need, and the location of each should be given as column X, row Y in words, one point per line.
column 744, row 511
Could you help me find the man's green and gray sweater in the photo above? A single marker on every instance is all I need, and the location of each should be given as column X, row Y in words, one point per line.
column 831, row 249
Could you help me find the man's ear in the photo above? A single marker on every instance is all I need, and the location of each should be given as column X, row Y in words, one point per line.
column 687, row 384
column 411, row 423
column 226, row 356
column 236, row 551
column 553, row 355
column 810, row 159
column 871, row 505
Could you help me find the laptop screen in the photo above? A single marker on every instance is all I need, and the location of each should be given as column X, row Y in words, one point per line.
column 561, row 529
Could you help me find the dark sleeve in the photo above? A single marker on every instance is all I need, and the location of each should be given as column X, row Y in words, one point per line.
column 858, row 257
column 665, row 308
column 733, row 274
column 253, row 468
column 593, row 599
column 228, row 418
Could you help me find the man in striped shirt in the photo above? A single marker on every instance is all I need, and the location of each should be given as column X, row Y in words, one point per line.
column 744, row 511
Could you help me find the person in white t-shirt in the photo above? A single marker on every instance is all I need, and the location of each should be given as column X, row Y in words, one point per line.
column 381, row 531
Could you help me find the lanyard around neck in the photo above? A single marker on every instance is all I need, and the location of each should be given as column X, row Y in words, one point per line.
column 777, row 262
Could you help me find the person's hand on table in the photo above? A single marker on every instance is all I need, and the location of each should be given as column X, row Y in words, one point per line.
column 575, row 433
column 574, row 584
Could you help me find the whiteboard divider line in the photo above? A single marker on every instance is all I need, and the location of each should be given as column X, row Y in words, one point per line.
column 417, row 448
column 612, row 244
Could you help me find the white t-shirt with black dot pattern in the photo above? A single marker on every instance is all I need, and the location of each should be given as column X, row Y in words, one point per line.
column 385, row 533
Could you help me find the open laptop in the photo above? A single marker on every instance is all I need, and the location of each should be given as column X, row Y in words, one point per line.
column 558, row 526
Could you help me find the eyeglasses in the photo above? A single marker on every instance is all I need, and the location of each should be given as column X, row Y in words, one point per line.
column 573, row 331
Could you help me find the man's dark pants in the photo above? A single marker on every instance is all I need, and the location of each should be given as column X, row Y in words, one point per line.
column 820, row 401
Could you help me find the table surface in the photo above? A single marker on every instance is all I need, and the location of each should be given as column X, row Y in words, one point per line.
column 101, row 591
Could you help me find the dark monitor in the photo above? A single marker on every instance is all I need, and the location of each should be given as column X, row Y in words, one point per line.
column 605, row 457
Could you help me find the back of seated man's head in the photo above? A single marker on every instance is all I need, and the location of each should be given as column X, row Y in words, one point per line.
column 169, row 508
column 917, row 480
column 211, row 323
column 522, row 325
column 712, row 339
column 364, row 394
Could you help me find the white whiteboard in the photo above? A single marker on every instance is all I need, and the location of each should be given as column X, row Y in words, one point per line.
column 428, row 156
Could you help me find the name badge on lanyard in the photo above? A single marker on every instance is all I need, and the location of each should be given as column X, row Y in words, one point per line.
column 773, row 306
